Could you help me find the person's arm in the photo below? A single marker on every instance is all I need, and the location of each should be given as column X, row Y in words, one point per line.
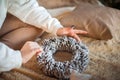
column 30, row 12
column 9, row 58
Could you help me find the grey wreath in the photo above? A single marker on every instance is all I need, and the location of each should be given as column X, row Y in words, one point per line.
column 62, row 70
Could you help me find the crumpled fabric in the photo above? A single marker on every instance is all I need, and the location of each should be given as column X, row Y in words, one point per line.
column 100, row 22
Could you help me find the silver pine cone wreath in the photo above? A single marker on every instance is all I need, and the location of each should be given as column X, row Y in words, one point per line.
column 62, row 70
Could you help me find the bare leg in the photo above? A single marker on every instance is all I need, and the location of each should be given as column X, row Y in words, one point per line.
column 15, row 33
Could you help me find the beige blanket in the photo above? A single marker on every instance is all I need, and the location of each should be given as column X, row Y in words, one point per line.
column 104, row 62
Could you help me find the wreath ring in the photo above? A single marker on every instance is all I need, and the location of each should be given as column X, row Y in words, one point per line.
column 62, row 70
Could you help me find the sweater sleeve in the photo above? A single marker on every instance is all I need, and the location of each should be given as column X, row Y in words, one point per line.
column 30, row 12
column 9, row 58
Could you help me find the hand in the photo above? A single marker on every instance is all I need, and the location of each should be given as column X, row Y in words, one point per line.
column 70, row 31
column 28, row 50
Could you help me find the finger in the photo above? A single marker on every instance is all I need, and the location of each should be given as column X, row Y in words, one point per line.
column 36, row 51
column 39, row 52
column 35, row 45
column 80, row 32
column 76, row 37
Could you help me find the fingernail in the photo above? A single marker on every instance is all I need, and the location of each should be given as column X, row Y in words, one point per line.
column 73, row 26
column 39, row 53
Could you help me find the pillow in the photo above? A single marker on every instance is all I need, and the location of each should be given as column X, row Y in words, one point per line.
column 100, row 22
column 65, row 3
